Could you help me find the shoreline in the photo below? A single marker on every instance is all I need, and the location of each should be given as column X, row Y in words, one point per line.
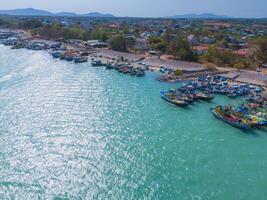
column 189, row 69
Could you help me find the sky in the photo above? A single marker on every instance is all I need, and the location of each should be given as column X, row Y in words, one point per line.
column 147, row 8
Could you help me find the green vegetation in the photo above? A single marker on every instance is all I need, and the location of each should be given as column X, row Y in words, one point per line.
column 30, row 24
column 180, row 49
column 57, row 31
column 163, row 35
column 157, row 43
column 261, row 51
column 99, row 34
column 210, row 67
column 118, row 43
column 178, row 72
column 219, row 56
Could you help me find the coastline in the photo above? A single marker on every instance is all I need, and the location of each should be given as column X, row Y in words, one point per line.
column 190, row 70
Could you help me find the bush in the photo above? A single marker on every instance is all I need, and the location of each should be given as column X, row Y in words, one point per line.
column 178, row 72
column 211, row 68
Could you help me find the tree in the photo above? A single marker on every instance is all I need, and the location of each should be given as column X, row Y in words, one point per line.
column 157, row 43
column 238, row 66
column 180, row 49
column 261, row 51
column 118, row 43
column 30, row 24
column 243, row 63
column 219, row 56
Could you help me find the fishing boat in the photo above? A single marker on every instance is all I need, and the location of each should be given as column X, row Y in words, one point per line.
column 219, row 113
column 81, row 59
column 177, row 102
column 140, row 73
column 96, row 63
column 56, row 54
column 69, row 58
column 109, row 66
column 204, row 96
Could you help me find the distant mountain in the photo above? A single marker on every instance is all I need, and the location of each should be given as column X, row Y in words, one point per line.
column 26, row 11
column 96, row 14
column 65, row 14
column 200, row 16
column 36, row 12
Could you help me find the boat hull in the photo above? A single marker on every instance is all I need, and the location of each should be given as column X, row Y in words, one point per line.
column 163, row 95
column 237, row 125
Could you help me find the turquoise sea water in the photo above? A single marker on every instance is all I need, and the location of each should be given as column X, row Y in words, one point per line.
column 78, row 132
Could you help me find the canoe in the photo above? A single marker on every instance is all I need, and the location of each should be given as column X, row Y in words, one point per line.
column 230, row 120
column 176, row 102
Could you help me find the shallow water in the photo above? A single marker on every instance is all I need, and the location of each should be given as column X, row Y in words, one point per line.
column 78, row 132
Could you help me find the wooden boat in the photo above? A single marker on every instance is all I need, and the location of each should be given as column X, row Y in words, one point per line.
column 80, row 59
column 109, row 66
column 174, row 101
column 69, row 58
column 140, row 74
column 133, row 72
column 204, row 96
column 96, row 63
column 258, row 121
column 229, row 119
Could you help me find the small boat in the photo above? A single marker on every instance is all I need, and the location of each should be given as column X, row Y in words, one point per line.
column 140, row 74
column 109, row 66
column 204, row 96
column 69, row 58
column 232, row 94
column 56, row 54
column 96, row 63
column 174, row 101
column 133, row 72
column 229, row 119
column 80, row 59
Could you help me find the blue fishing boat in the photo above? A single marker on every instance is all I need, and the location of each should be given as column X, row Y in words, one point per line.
column 56, row 54
column 69, row 58
column 229, row 119
column 174, row 101
column 80, row 59
column 96, row 63
column 109, row 66
column 204, row 96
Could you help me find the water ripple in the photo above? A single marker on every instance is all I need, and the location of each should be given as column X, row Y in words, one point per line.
column 78, row 132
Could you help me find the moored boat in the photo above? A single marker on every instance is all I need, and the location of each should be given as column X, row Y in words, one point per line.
column 219, row 113
column 177, row 102
column 80, row 59
column 204, row 96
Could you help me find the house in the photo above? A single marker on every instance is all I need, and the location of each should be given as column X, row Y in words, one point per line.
column 244, row 52
column 114, row 26
column 145, row 35
column 142, row 43
column 208, row 40
column 200, row 50
column 215, row 26
column 192, row 40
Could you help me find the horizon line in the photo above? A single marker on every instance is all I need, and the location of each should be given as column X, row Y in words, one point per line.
column 162, row 17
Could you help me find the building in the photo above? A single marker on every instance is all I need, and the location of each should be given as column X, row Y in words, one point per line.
column 208, row 40
column 200, row 50
column 192, row 40
column 244, row 52
column 142, row 43
column 96, row 44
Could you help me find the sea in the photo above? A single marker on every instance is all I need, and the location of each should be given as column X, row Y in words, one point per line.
column 73, row 131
